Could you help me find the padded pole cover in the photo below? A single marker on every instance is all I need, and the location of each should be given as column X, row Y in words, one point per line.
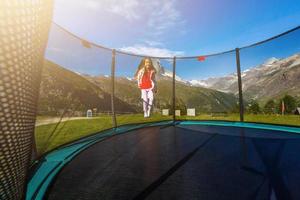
column 24, row 27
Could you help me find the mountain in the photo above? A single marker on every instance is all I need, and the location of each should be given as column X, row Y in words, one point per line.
column 272, row 79
column 205, row 100
column 63, row 90
column 227, row 84
column 163, row 72
column 200, row 83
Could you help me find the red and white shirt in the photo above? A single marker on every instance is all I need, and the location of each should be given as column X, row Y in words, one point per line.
column 145, row 79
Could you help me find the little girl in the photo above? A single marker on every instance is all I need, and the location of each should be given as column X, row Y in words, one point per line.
column 145, row 76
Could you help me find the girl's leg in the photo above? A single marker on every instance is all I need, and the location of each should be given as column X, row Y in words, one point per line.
column 145, row 108
column 145, row 101
column 150, row 101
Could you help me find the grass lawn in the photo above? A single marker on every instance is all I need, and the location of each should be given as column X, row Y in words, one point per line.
column 52, row 135
column 273, row 119
column 231, row 117
column 47, row 138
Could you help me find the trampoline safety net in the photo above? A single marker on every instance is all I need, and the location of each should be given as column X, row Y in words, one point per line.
column 87, row 88
column 207, row 88
column 75, row 97
column 271, row 78
column 24, row 27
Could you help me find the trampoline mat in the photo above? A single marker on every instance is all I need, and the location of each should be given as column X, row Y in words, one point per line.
column 179, row 163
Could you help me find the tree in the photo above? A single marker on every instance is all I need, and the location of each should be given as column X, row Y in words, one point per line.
column 235, row 108
column 180, row 105
column 290, row 104
column 253, row 107
column 270, row 107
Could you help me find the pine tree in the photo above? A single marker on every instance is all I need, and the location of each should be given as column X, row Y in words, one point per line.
column 253, row 107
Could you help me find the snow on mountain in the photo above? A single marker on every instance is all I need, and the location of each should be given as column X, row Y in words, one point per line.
column 161, row 71
column 167, row 74
column 272, row 78
column 296, row 63
column 261, row 76
column 198, row 83
column 270, row 61
column 265, row 80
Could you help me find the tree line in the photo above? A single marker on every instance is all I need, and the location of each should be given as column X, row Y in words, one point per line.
column 288, row 104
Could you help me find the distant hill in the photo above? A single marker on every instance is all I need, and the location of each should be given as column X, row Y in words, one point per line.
column 62, row 89
column 203, row 99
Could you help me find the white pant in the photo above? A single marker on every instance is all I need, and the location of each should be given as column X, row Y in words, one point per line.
column 147, row 97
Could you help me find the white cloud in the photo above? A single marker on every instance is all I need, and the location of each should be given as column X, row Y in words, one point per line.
column 154, row 20
column 124, row 8
column 159, row 15
column 153, row 43
column 94, row 5
column 151, row 51
column 165, row 17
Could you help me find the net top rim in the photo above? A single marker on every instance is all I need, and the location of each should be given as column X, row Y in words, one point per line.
column 177, row 57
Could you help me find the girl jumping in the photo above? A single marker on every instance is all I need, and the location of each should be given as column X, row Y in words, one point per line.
column 145, row 76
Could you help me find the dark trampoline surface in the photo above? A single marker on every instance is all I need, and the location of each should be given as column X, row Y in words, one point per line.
column 188, row 162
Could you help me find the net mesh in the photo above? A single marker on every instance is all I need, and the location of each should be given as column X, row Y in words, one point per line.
column 75, row 91
column 24, row 29
column 207, row 88
column 270, row 76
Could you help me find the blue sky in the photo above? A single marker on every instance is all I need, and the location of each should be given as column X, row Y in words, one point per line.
column 173, row 27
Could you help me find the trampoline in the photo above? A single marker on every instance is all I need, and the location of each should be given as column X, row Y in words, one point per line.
column 222, row 126
column 201, row 142
column 186, row 160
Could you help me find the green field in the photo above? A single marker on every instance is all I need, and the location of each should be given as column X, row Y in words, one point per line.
column 273, row 119
column 52, row 135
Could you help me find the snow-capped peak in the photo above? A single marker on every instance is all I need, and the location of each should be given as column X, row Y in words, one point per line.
column 198, row 83
column 270, row 61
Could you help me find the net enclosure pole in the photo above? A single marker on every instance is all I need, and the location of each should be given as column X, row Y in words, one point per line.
column 238, row 67
column 113, row 69
column 173, row 90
